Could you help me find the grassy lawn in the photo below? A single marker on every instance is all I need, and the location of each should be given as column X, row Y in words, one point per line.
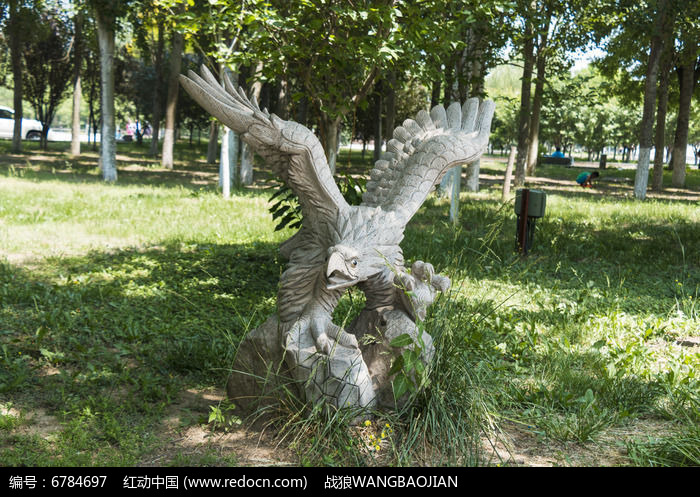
column 121, row 307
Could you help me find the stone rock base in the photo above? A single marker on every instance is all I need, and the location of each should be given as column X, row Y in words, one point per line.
column 269, row 367
column 259, row 376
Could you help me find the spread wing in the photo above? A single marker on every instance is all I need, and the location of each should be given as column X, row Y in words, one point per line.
column 423, row 150
column 293, row 152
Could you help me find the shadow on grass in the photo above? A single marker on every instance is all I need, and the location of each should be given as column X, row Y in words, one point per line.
column 134, row 166
column 106, row 342
column 613, row 185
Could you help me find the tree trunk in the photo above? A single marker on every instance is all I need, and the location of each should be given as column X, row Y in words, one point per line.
column 213, row 145
column 390, row 105
column 378, row 132
column 302, row 111
column 16, row 62
column 686, row 80
column 329, row 134
column 641, row 178
column 666, row 63
column 535, row 112
column 524, row 118
column 451, row 86
column 477, row 76
column 456, row 185
column 108, row 144
column 464, row 71
column 92, row 121
column 157, row 114
column 229, row 174
column 475, row 80
column 44, row 140
column 509, row 173
column 435, row 94
column 246, row 175
column 75, row 118
column 78, row 58
column 282, row 96
column 229, row 159
column 659, row 145
column 167, row 159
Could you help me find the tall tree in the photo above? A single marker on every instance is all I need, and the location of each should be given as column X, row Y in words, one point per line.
column 177, row 46
column 334, row 49
column 641, row 178
column 21, row 14
column 556, row 29
column 688, row 70
column 637, row 41
column 528, row 47
column 214, row 29
column 108, row 146
column 157, row 112
column 49, row 67
column 665, row 66
column 107, row 14
column 148, row 21
column 542, row 38
column 77, row 55
column 90, row 79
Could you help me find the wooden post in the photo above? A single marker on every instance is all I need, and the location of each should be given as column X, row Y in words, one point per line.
column 509, row 172
column 522, row 221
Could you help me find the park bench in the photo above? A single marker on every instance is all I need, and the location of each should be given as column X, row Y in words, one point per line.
column 561, row 161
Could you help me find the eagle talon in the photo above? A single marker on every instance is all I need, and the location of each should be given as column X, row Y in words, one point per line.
column 327, row 335
column 323, row 345
column 344, row 338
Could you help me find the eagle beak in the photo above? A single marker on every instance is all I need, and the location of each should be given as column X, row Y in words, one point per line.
column 336, row 262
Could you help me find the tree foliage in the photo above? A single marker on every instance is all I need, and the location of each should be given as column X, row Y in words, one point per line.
column 357, row 69
column 49, row 66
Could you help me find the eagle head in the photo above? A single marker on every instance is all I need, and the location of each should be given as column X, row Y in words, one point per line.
column 343, row 268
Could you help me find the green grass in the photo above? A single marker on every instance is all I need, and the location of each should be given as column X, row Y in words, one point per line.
column 116, row 300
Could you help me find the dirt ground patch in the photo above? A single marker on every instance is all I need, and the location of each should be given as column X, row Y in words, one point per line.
column 185, row 437
column 521, row 445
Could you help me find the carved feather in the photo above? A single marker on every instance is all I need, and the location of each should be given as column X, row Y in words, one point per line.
column 291, row 150
column 423, row 150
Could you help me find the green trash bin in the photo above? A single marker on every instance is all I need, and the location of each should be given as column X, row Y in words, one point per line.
column 537, row 202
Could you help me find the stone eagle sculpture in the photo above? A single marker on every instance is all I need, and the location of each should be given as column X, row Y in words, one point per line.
column 339, row 245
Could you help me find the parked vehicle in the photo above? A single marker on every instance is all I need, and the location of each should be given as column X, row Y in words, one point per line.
column 31, row 128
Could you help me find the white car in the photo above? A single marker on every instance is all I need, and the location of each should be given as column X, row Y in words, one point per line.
column 31, row 128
